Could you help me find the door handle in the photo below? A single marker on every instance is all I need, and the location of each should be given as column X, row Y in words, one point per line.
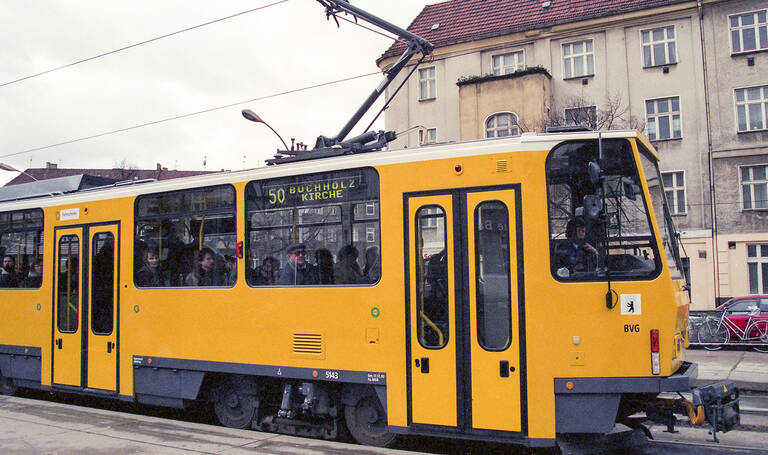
column 110, row 347
column 504, row 368
column 58, row 342
column 423, row 363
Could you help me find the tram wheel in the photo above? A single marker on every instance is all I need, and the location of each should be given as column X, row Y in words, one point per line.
column 6, row 386
column 233, row 406
column 367, row 422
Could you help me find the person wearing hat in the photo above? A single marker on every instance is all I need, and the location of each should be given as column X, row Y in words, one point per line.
column 575, row 253
column 296, row 271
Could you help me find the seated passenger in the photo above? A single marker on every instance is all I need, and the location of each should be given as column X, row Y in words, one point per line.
column 575, row 255
column 372, row 270
column 8, row 276
column 264, row 275
column 324, row 260
column 347, row 270
column 150, row 275
column 296, row 271
column 205, row 273
column 35, row 277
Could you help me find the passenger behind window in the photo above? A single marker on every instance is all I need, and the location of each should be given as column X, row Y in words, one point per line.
column 8, row 276
column 150, row 275
column 576, row 254
column 324, row 260
column 296, row 271
column 35, row 277
column 205, row 273
column 347, row 270
column 265, row 274
column 372, row 270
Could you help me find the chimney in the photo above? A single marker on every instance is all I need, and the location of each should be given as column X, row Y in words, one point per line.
column 159, row 167
column 49, row 165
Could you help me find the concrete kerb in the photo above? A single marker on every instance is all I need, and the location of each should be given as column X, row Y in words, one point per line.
column 747, row 369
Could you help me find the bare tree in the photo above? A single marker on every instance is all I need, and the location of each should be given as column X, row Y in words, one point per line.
column 126, row 170
column 610, row 115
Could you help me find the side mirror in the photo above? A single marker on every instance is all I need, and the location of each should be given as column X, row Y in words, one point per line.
column 593, row 171
column 593, row 205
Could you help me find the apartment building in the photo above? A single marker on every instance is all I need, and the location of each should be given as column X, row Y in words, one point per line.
column 692, row 75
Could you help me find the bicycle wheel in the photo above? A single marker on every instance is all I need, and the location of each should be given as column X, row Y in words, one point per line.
column 713, row 335
column 758, row 334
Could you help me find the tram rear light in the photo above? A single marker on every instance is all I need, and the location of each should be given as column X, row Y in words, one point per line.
column 239, row 249
column 655, row 357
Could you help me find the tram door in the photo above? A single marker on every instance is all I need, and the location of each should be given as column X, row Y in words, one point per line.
column 464, row 304
column 85, row 339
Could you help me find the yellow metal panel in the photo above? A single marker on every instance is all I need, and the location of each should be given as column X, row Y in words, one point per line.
column 102, row 352
column 433, row 394
column 495, row 399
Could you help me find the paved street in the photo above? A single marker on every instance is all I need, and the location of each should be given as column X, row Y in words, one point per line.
column 749, row 369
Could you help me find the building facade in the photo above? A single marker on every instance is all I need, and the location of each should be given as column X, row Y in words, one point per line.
column 693, row 76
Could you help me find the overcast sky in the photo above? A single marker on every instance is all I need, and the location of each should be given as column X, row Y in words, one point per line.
column 280, row 48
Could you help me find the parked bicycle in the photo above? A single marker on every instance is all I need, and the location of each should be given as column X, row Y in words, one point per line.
column 715, row 332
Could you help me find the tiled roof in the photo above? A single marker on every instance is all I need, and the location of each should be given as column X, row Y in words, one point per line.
column 116, row 173
column 469, row 20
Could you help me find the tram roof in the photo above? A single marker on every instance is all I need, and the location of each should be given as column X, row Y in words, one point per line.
column 525, row 142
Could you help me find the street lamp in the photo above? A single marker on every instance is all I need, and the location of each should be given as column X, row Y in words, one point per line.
column 252, row 116
column 8, row 167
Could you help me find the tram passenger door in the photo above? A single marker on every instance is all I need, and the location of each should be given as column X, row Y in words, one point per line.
column 102, row 288
column 492, row 264
column 84, row 335
column 67, row 332
column 432, row 311
column 464, row 306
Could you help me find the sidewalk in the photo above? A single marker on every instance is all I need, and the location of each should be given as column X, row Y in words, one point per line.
column 748, row 369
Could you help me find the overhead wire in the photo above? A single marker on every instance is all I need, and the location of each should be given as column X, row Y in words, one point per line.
column 114, row 51
column 190, row 114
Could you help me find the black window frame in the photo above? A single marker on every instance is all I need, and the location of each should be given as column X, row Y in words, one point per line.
column 40, row 245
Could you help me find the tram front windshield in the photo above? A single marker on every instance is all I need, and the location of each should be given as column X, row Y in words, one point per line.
column 598, row 217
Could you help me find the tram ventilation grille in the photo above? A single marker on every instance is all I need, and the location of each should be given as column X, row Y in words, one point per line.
column 501, row 166
column 308, row 345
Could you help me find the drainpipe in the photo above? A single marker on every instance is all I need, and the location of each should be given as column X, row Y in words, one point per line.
column 712, row 195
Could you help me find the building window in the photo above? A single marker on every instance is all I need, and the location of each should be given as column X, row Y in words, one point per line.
column 186, row 238
column 501, row 125
column 428, row 136
column 757, row 265
column 754, row 187
column 752, row 108
column 427, row 83
column 578, row 59
column 674, row 187
column 586, row 116
column 749, row 32
column 314, row 229
column 663, row 118
column 508, row 63
column 659, row 46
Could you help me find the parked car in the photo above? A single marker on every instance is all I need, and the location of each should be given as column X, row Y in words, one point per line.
column 737, row 310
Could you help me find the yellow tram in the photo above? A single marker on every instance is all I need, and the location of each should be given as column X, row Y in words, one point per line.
column 421, row 291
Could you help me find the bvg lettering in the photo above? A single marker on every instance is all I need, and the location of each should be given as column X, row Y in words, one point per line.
column 632, row 328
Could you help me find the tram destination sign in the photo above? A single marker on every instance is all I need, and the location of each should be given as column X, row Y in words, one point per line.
column 314, row 189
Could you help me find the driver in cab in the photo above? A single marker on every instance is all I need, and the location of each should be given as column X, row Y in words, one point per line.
column 576, row 254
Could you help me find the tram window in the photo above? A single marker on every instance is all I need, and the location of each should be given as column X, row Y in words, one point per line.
column 492, row 271
column 186, row 238
column 21, row 248
column 68, row 272
column 102, row 283
column 598, row 216
column 314, row 230
column 432, row 277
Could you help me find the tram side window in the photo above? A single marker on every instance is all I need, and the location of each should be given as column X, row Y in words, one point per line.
column 186, row 238
column 432, row 277
column 68, row 272
column 598, row 216
column 21, row 247
column 314, row 230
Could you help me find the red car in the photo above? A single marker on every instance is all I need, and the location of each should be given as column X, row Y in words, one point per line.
column 737, row 310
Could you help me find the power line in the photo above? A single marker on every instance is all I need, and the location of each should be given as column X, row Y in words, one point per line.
column 141, row 43
column 176, row 117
